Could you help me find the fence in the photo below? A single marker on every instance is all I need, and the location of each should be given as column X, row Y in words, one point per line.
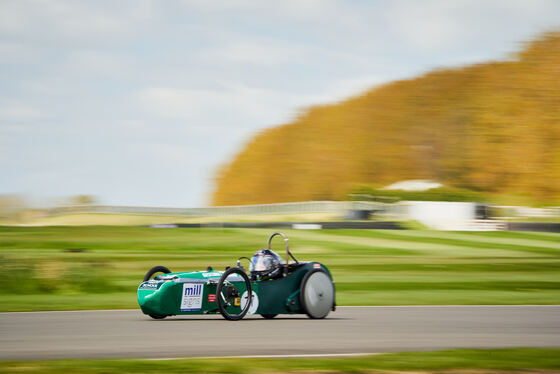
column 399, row 210
column 339, row 207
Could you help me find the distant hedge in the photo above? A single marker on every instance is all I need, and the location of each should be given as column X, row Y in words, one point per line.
column 434, row 194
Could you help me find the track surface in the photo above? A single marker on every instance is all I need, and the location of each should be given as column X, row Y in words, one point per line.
column 128, row 333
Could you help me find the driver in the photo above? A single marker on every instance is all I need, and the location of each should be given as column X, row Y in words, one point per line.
column 266, row 264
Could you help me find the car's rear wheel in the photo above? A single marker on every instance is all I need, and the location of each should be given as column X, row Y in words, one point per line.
column 317, row 293
column 233, row 283
column 155, row 270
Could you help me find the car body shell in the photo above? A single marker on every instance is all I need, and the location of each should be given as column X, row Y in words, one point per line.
column 194, row 292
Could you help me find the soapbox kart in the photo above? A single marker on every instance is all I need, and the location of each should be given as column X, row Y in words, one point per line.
column 301, row 287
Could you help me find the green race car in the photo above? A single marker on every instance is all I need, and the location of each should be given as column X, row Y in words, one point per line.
column 271, row 287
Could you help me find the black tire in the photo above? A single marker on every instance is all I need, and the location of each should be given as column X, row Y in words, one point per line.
column 157, row 316
column 222, row 307
column 317, row 294
column 268, row 316
column 154, row 270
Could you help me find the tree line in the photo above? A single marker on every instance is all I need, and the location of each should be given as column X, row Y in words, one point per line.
column 492, row 128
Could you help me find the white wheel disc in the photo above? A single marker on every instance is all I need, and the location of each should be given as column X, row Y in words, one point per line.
column 254, row 302
column 318, row 295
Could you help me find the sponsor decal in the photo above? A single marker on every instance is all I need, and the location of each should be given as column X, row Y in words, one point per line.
column 211, row 297
column 191, row 280
column 254, row 302
column 151, row 285
column 213, row 274
column 191, row 300
column 218, row 274
column 316, row 266
column 237, row 301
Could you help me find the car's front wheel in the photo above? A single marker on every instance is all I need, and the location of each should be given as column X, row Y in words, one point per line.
column 231, row 286
column 155, row 270
column 157, row 316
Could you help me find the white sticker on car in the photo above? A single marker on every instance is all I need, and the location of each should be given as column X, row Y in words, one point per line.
column 212, row 275
column 254, row 302
column 191, row 300
column 150, row 285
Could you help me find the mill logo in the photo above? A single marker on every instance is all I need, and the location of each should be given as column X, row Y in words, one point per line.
column 193, row 290
column 191, row 300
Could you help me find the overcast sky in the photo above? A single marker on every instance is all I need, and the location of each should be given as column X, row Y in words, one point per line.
column 139, row 102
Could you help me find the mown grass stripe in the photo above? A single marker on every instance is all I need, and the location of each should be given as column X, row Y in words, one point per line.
column 550, row 240
column 436, row 285
column 546, row 248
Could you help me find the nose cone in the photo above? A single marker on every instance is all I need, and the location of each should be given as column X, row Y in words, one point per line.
column 150, row 300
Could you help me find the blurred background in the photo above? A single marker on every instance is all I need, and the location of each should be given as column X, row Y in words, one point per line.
column 418, row 142
column 210, row 116
column 196, row 103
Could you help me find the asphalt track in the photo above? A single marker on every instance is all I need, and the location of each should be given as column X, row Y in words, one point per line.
column 128, row 333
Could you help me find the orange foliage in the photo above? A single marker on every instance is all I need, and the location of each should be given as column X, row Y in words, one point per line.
column 491, row 127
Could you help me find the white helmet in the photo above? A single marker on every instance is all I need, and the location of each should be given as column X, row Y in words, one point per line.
column 266, row 263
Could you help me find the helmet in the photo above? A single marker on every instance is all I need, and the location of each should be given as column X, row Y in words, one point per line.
column 266, row 263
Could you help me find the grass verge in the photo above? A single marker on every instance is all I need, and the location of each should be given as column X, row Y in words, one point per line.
column 485, row 360
column 100, row 267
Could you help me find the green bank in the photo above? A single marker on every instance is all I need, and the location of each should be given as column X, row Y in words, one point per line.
column 99, row 267
column 510, row 360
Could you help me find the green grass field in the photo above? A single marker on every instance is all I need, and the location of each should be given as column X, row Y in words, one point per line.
column 99, row 267
column 523, row 360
